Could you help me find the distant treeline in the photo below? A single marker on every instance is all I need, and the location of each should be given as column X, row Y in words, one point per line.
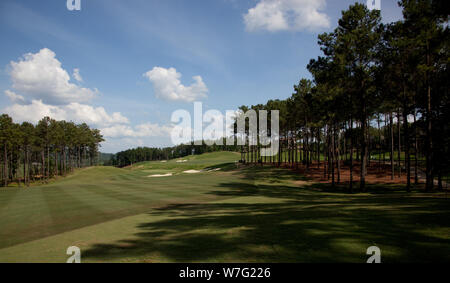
column 50, row 148
column 131, row 156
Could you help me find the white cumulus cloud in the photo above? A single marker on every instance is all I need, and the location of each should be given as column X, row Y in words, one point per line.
column 281, row 15
column 14, row 97
column 76, row 112
column 76, row 75
column 40, row 76
column 167, row 85
column 41, row 87
column 34, row 112
column 140, row 131
column 45, row 90
column 94, row 115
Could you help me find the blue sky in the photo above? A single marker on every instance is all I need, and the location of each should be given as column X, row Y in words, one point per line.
column 139, row 60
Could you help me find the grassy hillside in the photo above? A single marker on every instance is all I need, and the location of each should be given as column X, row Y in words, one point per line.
column 245, row 215
column 223, row 160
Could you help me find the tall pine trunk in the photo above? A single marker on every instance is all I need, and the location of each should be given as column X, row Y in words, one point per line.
column 6, row 165
column 333, row 156
column 399, row 148
column 407, row 157
column 416, row 151
column 391, row 126
column 351, row 155
column 429, row 151
column 379, row 142
column 25, row 165
column 364, row 149
column 338, row 159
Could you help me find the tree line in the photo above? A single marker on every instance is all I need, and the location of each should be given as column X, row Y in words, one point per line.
column 140, row 154
column 378, row 88
column 49, row 148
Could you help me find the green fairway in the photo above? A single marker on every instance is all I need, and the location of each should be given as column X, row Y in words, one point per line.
column 233, row 215
column 223, row 160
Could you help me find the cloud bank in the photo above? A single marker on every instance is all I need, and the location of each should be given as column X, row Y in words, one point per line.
column 284, row 15
column 43, row 88
column 167, row 85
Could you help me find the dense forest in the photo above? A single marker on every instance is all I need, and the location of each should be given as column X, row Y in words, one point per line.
column 50, row 148
column 377, row 89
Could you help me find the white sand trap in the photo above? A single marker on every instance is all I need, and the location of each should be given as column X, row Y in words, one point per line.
column 160, row 175
column 192, row 171
column 163, row 161
column 181, row 161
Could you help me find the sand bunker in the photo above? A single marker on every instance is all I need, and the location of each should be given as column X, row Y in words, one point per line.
column 181, row 161
column 192, row 171
column 163, row 161
column 160, row 175
column 200, row 171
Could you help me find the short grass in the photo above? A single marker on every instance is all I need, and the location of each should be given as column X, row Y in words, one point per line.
column 194, row 162
column 252, row 214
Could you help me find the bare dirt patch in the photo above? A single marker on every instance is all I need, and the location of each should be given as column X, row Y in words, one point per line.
column 376, row 173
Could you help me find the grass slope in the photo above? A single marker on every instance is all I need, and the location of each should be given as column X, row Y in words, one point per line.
column 247, row 215
column 223, row 160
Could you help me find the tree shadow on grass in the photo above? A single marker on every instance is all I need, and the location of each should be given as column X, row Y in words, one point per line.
column 299, row 226
column 374, row 189
column 224, row 167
